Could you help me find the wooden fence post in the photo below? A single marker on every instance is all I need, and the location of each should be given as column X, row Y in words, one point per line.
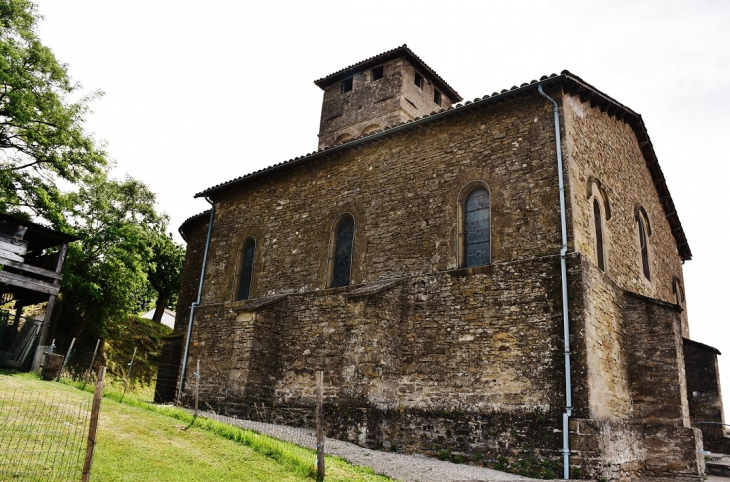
column 91, row 442
column 129, row 373
column 68, row 355
column 91, row 367
column 320, row 426
column 197, row 387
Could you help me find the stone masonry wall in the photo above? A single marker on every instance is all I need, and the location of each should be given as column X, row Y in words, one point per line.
column 196, row 232
column 600, row 147
column 656, row 362
column 704, row 395
column 375, row 104
column 463, row 361
column 606, row 345
column 419, row 353
column 623, row 451
column 459, row 362
column 633, row 353
column 173, row 346
column 403, row 194
column 369, row 102
column 418, row 101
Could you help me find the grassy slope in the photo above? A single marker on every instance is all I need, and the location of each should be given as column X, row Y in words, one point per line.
column 121, row 340
column 146, row 442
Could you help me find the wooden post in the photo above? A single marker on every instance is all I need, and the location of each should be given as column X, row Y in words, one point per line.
column 38, row 361
column 93, row 358
column 68, row 355
column 197, row 386
column 320, row 426
column 129, row 372
column 46, row 326
column 91, row 442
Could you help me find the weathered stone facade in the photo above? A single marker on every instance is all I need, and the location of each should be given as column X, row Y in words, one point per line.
column 704, row 395
column 379, row 92
column 423, row 354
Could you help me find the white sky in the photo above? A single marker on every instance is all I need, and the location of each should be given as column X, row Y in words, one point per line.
column 198, row 93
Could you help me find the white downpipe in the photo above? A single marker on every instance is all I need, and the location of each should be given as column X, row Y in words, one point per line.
column 564, row 282
column 196, row 303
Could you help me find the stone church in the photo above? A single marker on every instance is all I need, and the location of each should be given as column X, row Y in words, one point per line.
column 499, row 278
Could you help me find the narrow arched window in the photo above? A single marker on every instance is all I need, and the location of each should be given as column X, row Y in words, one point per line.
column 246, row 273
column 599, row 235
column 477, row 247
column 644, row 248
column 341, row 257
column 678, row 291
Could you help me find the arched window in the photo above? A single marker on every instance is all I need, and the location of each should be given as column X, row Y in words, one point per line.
column 246, row 272
column 341, row 251
column 644, row 246
column 678, row 291
column 598, row 219
column 476, row 228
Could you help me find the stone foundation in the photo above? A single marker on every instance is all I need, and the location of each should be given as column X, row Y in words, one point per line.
column 619, row 451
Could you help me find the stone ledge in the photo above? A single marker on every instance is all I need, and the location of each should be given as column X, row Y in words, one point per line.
column 373, row 288
column 254, row 305
column 469, row 271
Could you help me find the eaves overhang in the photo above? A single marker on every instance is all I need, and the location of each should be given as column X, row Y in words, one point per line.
column 571, row 84
column 709, row 348
column 39, row 237
column 186, row 224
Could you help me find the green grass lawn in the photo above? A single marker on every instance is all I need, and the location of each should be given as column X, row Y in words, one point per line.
column 137, row 441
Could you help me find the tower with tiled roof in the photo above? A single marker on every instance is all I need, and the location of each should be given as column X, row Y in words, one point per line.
column 382, row 91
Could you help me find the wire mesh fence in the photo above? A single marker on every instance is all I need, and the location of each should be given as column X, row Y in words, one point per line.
column 253, row 405
column 133, row 376
column 42, row 435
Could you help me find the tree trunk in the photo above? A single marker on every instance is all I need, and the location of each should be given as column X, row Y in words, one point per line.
column 160, row 308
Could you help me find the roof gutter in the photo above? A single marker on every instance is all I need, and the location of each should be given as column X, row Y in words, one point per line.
column 564, row 283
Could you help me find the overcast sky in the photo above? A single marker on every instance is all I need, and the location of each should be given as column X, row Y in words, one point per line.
column 198, row 93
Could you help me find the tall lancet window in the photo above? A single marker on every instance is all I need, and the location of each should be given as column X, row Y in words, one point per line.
column 644, row 248
column 341, row 256
column 599, row 235
column 477, row 249
column 244, row 277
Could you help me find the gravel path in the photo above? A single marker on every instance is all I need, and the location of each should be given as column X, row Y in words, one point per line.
column 407, row 468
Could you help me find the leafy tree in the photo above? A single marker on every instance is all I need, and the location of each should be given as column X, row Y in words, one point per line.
column 42, row 138
column 163, row 273
column 105, row 277
column 123, row 259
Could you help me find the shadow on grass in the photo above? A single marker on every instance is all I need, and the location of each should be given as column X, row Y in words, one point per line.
column 192, row 422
